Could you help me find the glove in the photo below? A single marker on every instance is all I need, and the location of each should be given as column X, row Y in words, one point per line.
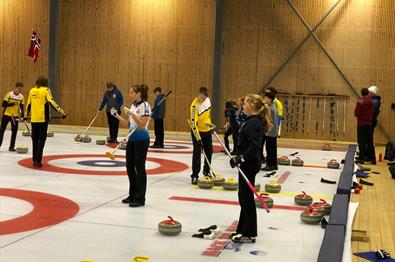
column 114, row 112
column 236, row 160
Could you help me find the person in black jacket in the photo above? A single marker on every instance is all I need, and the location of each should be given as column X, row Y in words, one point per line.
column 248, row 158
column 232, row 127
column 159, row 115
column 114, row 99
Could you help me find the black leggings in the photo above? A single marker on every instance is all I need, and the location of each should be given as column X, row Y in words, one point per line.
column 197, row 150
column 136, row 155
column 113, row 126
column 14, row 129
column 39, row 136
column 247, row 219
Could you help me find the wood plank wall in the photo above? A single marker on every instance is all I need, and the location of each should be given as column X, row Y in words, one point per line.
column 17, row 21
column 170, row 43
column 167, row 43
column 360, row 35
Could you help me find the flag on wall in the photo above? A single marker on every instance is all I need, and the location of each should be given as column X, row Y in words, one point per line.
column 34, row 46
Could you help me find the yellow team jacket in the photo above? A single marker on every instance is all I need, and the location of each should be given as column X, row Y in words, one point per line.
column 17, row 100
column 38, row 104
column 200, row 114
column 279, row 107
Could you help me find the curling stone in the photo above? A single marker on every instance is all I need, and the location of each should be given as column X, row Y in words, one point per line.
column 123, row 145
column 50, row 134
column 284, row 160
column 218, row 180
column 100, row 142
column 169, row 227
column 22, row 149
column 268, row 201
column 86, row 139
column 303, row 199
column 231, row 184
column 141, row 259
column 78, row 138
column 333, row 164
column 297, row 162
column 327, row 147
column 26, row 133
column 273, row 187
column 257, row 187
column 323, row 207
column 310, row 216
column 205, row 183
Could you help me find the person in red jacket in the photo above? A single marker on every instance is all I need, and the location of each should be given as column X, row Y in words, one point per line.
column 364, row 113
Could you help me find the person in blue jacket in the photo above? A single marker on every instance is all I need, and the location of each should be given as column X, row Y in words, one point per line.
column 113, row 99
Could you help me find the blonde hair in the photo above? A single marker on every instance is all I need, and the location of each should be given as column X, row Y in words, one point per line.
column 257, row 102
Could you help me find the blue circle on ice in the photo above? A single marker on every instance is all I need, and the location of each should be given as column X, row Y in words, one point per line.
column 102, row 163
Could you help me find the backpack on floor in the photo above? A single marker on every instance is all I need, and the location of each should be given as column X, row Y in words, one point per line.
column 389, row 152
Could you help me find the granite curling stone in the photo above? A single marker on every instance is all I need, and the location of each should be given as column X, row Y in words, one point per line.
column 284, row 160
column 169, row 227
column 303, row 199
column 310, row 216
column 205, row 183
column 268, row 201
column 22, row 149
column 297, row 162
column 123, row 145
column 333, row 164
column 100, row 142
column 327, row 147
column 86, row 139
column 78, row 138
column 218, row 180
column 230, row 184
column 50, row 134
column 323, row 207
column 257, row 187
column 272, row 187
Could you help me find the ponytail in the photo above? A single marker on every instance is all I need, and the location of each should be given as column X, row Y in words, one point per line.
column 267, row 121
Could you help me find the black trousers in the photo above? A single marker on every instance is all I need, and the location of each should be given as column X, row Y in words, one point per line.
column 159, row 132
column 234, row 134
column 197, row 150
column 365, row 142
column 247, row 220
column 271, row 151
column 39, row 136
column 136, row 155
column 262, row 146
column 14, row 129
column 113, row 126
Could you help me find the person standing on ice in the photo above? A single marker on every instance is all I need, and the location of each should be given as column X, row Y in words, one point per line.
column 138, row 143
column 248, row 159
column 113, row 98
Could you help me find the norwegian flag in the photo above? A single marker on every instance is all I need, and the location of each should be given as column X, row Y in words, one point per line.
column 34, row 46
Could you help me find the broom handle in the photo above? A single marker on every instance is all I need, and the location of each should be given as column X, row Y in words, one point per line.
column 126, row 138
column 93, row 120
column 243, row 175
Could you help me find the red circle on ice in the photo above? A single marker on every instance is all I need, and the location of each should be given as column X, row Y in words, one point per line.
column 166, row 166
column 47, row 210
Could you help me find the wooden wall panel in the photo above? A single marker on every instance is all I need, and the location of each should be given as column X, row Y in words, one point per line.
column 360, row 35
column 167, row 43
column 17, row 21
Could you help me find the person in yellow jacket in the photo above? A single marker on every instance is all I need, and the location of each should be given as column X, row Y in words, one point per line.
column 12, row 106
column 200, row 116
column 38, row 103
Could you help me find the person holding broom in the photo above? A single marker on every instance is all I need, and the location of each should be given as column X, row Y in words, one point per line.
column 248, row 159
column 12, row 110
column 138, row 143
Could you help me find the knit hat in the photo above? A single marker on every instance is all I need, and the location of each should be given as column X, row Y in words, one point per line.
column 374, row 90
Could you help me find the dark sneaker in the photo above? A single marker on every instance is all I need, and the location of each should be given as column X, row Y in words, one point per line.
column 154, row 146
column 243, row 239
column 267, row 168
column 127, row 200
column 194, row 180
column 136, row 204
column 11, row 149
column 37, row 164
column 233, row 234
